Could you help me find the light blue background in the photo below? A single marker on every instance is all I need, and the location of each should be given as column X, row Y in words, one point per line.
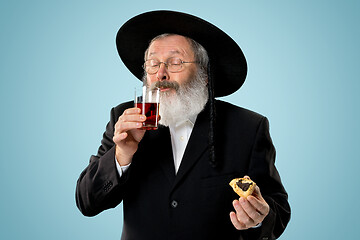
column 60, row 75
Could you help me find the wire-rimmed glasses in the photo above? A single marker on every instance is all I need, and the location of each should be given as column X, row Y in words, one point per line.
column 173, row 65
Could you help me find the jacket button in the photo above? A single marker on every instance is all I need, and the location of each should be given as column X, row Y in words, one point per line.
column 107, row 186
column 174, row 204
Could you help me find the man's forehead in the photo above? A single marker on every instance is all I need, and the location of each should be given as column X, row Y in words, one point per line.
column 172, row 45
column 171, row 52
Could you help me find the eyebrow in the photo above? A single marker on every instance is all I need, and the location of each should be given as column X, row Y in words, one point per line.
column 173, row 52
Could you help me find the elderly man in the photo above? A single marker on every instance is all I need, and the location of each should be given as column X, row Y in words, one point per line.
column 174, row 181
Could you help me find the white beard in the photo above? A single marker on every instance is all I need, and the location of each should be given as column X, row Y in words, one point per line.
column 187, row 101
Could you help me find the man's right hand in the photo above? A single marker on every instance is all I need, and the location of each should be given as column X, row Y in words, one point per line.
column 127, row 135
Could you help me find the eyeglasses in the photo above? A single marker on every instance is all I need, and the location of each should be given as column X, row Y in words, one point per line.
column 173, row 65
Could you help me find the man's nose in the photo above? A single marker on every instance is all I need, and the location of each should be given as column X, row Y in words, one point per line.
column 162, row 73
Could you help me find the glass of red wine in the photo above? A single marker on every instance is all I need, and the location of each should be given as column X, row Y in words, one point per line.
column 147, row 99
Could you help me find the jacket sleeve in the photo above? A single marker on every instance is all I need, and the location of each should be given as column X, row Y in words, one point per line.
column 99, row 186
column 263, row 171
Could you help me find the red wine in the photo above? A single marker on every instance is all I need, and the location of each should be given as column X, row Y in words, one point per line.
column 151, row 111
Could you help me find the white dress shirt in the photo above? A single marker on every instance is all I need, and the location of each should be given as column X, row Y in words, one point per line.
column 180, row 134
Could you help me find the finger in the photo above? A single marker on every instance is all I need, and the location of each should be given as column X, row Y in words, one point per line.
column 125, row 116
column 119, row 137
column 130, row 126
column 129, row 122
column 131, row 118
column 261, row 206
column 130, row 111
column 237, row 224
column 253, row 215
column 241, row 214
column 126, row 126
column 247, row 177
column 252, row 212
column 257, row 192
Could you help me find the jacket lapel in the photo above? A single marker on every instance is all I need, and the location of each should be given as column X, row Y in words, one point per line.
column 164, row 152
column 196, row 146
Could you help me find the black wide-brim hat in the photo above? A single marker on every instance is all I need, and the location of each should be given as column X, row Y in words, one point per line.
column 227, row 61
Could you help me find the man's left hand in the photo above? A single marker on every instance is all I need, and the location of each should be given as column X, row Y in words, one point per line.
column 250, row 211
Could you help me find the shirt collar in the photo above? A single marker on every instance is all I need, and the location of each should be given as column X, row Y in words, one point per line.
column 191, row 120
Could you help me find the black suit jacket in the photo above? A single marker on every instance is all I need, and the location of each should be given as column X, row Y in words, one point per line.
column 196, row 202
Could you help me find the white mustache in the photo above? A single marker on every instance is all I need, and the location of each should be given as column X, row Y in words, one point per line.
column 165, row 84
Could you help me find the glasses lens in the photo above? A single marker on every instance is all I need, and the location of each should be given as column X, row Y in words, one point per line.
column 152, row 66
column 174, row 64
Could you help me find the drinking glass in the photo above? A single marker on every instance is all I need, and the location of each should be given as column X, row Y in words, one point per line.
column 147, row 99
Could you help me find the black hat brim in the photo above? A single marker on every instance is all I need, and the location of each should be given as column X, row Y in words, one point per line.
column 227, row 61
